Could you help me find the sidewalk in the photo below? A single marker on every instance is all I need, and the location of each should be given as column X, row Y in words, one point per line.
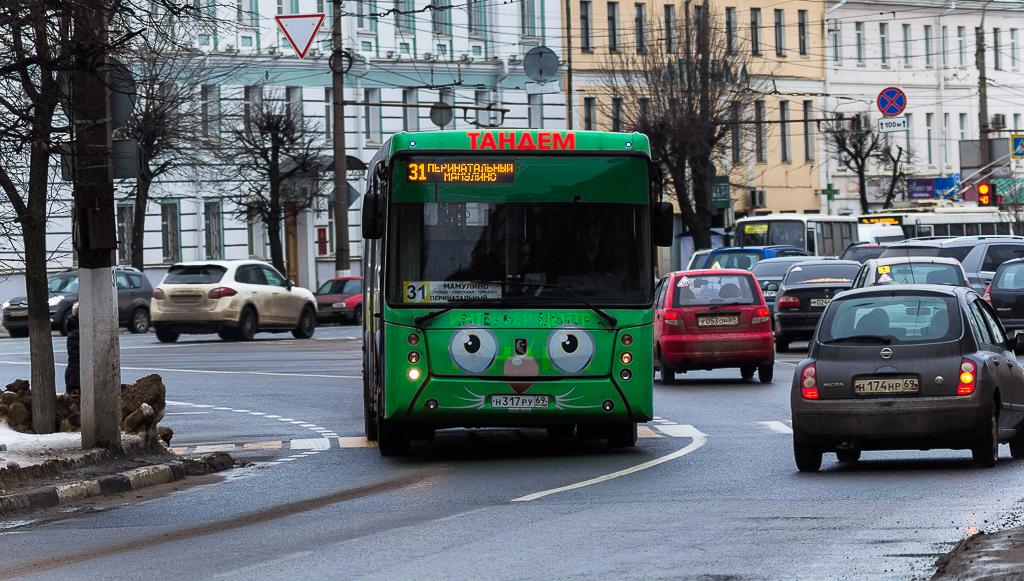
column 997, row 555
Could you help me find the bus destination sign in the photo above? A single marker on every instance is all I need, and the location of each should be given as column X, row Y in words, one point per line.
column 477, row 171
column 893, row 220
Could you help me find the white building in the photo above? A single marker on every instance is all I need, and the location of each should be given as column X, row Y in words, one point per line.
column 466, row 54
column 926, row 48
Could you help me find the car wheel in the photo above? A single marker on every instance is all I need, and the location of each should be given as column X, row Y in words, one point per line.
column 65, row 320
column 781, row 344
column 668, row 375
column 986, row 450
column 847, row 456
column 766, row 372
column 247, row 325
column 139, row 323
column 165, row 336
column 18, row 333
column 1017, row 444
column 808, row 458
column 622, row 435
column 392, row 437
column 747, row 371
column 307, row 324
column 226, row 334
column 357, row 319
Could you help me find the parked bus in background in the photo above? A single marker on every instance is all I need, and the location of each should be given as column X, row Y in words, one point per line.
column 509, row 281
column 945, row 221
column 818, row 234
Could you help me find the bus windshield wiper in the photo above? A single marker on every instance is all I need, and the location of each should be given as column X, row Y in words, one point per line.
column 422, row 320
column 611, row 320
column 862, row 339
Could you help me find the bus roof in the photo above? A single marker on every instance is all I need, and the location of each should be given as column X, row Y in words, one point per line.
column 517, row 140
column 798, row 217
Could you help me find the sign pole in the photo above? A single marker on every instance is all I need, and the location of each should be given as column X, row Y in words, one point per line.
column 342, row 265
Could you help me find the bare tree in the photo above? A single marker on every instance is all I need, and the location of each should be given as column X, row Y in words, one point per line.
column 895, row 160
column 271, row 163
column 689, row 90
column 858, row 148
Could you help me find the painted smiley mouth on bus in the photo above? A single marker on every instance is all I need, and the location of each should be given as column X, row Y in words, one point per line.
column 521, row 367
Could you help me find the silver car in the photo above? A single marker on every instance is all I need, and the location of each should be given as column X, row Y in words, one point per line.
column 911, row 270
column 233, row 298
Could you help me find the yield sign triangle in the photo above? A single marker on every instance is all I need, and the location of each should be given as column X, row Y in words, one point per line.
column 300, row 30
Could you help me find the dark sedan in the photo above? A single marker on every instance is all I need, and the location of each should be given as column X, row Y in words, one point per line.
column 907, row 367
column 803, row 295
column 769, row 274
column 1006, row 294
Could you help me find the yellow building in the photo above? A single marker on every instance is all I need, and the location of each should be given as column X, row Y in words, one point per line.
column 777, row 151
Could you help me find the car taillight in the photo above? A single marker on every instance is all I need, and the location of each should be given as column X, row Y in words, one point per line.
column 763, row 315
column 809, row 382
column 158, row 294
column 222, row 291
column 788, row 302
column 967, row 378
column 674, row 318
column 988, row 293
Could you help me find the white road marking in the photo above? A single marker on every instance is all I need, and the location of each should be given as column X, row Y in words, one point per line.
column 777, row 426
column 698, row 437
column 214, row 448
column 679, row 430
column 311, row 444
column 185, row 413
column 645, row 432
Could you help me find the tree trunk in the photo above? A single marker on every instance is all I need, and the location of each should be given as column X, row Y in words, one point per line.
column 700, row 173
column 274, row 219
column 139, row 220
column 862, row 183
column 44, row 394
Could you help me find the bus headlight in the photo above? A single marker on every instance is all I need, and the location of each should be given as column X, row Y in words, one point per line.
column 414, row 374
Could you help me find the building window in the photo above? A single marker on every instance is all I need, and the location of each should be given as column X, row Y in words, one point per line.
column 371, row 115
column 909, row 134
column 585, row 26
column 1013, row 49
column 441, row 18
column 945, row 139
column 170, row 227
column 883, row 42
column 410, row 113
column 613, row 26
column 759, row 136
column 589, row 111
column 809, row 130
column 1016, row 122
column 699, row 24
column 961, row 43
column 730, row 30
column 478, row 17
column 210, row 95
column 836, row 34
column 996, row 34
column 927, row 45
column 405, row 16
column 784, row 129
column 944, row 46
column 213, row 223
column 802, row 30
column 670, row 28
column 755, row 31
column 906, row 45
column 256, row 235
column 253, row 97
column 859, row 36
column 366, row 18
column 963, row 126
column 616, row 113
column 639, row 25
column 780, row 32
column 734, row 133
column 328, row 115
column 529, row 17
column 125, row 221
column 928, row 117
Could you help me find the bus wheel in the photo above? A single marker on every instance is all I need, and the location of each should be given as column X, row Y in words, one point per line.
column 369, row 418
column 392, row 437
column 622, row 435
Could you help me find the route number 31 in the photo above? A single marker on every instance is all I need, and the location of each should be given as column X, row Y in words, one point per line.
column 415, row 292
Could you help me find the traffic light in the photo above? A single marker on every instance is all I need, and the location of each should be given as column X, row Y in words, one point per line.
column 987, row 195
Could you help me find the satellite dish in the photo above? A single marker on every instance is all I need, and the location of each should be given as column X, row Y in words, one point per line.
column 540, row 64
column 441, row 114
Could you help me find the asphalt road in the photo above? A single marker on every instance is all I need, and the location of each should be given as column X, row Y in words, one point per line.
column 711, row 490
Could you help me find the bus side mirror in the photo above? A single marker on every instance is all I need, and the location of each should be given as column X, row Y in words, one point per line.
column 373, row 216
column 663, row 224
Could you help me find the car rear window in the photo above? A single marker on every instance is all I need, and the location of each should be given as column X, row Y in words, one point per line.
column 919, row 273
column 740, row 260
column 822, row 274
column 1010, row 278
column 862, row 253
column 771, row 268
column 698, row 261
column 202, row 274
column 715, row 289
column 901, row 318
column 957, row 252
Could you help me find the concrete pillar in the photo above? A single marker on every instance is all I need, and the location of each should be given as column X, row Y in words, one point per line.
column 100, row 358
column 305, row 229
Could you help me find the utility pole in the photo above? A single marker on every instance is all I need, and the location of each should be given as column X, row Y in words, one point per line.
column 979, row 58
column 95, row 235
column 568, row 62
column 342, row 264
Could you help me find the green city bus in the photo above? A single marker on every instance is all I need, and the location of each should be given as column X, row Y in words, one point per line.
column 509, row 281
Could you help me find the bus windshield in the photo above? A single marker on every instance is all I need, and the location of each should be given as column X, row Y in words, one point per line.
column 443, row 252
column 768, row 232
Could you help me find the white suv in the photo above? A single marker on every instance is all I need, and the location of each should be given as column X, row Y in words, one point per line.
column 233, row 298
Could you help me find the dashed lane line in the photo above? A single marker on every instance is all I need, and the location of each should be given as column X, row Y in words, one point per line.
column 777, row 426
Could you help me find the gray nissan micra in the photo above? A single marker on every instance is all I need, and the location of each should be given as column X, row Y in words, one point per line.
column 910, row 367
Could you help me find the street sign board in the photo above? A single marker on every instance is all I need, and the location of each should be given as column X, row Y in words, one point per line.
column 892, row 101
column 300, row 30
column 892, row 124
column 1017, row 146
column 720, row 198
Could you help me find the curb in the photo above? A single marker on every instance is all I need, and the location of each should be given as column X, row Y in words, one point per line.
column 50, row 496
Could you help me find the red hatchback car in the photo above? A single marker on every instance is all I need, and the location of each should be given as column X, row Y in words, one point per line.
column 710, row 319
column 341, row 299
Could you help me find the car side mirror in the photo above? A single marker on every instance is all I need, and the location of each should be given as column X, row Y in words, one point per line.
column 289, row 284
column 771, row 287
column 1018, row 343
column 663, row 224
column 373, row 216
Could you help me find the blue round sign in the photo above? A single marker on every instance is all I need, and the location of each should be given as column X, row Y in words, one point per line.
column 892, row 101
